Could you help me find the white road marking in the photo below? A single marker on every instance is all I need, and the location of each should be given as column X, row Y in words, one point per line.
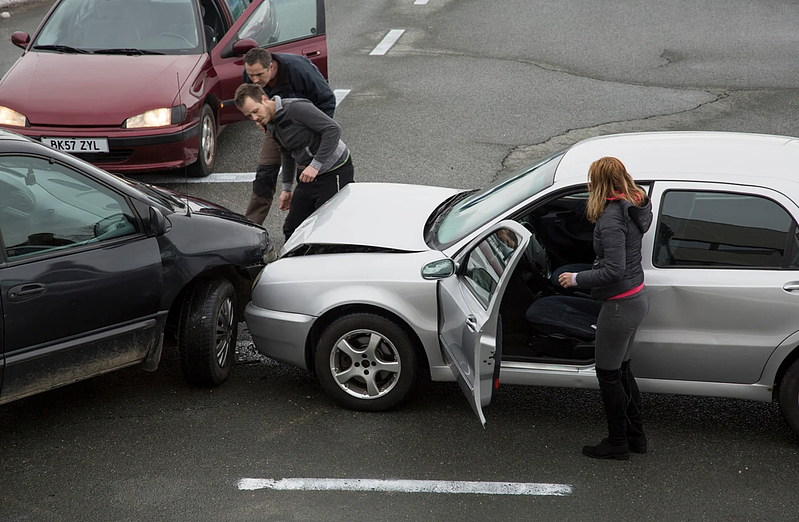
column 390, row 39
column 420, row 2
column 221, row 177
column 340, row 95
column 408, row 486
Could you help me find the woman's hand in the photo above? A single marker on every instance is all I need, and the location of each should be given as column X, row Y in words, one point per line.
column 565, row 279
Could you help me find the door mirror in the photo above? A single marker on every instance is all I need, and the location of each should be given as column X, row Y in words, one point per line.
column 241, row 47
column 438, row 269
column 157, row 222
column 20, row 39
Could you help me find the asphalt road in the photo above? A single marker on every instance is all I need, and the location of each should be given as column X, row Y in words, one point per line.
column 469, row 90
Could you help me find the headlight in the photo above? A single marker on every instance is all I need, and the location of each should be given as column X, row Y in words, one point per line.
column 156, row 118
column 270, row 254
column 12, row 117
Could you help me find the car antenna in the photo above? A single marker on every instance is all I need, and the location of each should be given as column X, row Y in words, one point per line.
column 185, row 167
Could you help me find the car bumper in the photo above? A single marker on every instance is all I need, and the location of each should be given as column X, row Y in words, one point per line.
column 138, row 150
column 279, row 335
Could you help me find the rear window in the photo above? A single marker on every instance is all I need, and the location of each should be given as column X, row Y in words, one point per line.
column 719, row 229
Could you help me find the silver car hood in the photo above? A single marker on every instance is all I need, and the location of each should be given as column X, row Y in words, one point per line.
column 387, row 215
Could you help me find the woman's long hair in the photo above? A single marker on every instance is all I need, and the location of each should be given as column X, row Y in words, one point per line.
column 608, row 179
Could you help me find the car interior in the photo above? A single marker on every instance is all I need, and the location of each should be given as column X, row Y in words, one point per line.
column 542, row 321
column 44, row 208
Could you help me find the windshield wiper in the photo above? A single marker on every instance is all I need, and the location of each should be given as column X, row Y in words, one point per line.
column 61, row 49
column 125, row 50
column 441, row 212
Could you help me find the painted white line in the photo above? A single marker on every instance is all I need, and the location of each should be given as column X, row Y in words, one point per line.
column 420, row 2
column 408, row 486
column 340, row 95
column 390, row 39
column 222, row 177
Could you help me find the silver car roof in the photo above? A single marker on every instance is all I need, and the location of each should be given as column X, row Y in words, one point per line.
column 725, row 157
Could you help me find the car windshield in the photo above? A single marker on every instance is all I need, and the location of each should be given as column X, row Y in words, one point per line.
column 114, row 26
column 470, row 213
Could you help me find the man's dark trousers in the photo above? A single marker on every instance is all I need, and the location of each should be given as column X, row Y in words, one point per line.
column 308, row 197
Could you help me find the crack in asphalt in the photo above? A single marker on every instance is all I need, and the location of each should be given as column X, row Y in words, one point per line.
column 523, row 154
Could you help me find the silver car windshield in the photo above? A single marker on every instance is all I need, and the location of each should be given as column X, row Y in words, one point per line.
column 106, row 26
column 474, row 211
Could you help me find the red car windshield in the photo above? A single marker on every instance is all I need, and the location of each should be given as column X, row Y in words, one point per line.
column 99, row 26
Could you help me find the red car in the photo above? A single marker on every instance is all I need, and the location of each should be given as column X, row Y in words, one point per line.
column 143, row 85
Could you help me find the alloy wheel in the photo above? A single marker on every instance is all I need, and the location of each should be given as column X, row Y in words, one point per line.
column 365, row 364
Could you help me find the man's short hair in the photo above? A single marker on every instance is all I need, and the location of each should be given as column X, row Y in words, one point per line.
column 248, row 90
column 258, row 55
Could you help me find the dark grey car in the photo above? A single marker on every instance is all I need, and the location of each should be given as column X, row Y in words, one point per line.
column 94, row 269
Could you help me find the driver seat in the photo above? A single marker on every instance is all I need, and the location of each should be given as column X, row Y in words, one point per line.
column 565, row 317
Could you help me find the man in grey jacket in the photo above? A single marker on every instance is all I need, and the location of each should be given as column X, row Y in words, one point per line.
column 306, row 136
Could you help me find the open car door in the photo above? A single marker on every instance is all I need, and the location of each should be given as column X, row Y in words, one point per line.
column 285, row 26
column 469, row 329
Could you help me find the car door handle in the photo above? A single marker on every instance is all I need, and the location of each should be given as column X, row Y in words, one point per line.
column 25, row 291
column 791, row 286
column 471, row 323
column 311, row 54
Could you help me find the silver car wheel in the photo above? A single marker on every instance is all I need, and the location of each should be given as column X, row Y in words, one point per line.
column 208, row 139
column 224, row 332
column 365, row 364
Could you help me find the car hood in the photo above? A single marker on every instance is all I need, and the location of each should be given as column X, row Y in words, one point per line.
column 385, row 215
column 92, row 89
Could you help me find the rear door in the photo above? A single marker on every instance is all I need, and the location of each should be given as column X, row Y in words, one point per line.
column 281, row 26
column 722, row 272
column 469, row 329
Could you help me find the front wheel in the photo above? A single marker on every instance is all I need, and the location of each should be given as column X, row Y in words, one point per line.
column 206, row 156
column 207, row 332
column 365, row 362
column 789, row 396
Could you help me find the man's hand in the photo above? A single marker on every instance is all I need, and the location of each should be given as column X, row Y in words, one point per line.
column 263, row 129
column 309, row 174
column 285, row 200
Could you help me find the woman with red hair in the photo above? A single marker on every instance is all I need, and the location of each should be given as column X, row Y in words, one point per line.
column 622, row 213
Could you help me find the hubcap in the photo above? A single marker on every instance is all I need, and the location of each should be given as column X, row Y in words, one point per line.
column 208, row 140
column 365, row 364
column 224, row 332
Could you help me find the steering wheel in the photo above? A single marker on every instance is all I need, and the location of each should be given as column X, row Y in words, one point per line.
column 108, row 225
column 536, row 254
column 175, row 35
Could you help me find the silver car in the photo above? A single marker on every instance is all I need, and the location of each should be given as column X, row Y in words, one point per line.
column 387, row 279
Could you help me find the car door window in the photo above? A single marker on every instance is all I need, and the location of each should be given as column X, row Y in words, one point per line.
column 718, row 229
column 48, row 207
column 237, row 7
column 279, row 21
column 487, row 262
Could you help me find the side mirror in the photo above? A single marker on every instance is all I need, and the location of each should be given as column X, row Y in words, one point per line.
column 157, row 222
column 20, row 39
column 440, row 269
column 241, row 47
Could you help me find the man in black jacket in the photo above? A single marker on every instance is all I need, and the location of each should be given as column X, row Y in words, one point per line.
column 287, row 76
column 305, row 136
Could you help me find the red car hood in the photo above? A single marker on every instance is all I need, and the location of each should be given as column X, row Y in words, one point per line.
column 92, row 90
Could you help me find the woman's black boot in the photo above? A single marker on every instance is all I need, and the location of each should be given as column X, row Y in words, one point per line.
column 615, row 401
column 635, row 420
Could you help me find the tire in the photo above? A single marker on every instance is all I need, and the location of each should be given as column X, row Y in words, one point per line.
column 367, row 388
column 789, row 396
column 207, row 332
column 206, row 156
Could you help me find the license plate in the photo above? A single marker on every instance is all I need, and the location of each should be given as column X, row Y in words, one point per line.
column 77, row 145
